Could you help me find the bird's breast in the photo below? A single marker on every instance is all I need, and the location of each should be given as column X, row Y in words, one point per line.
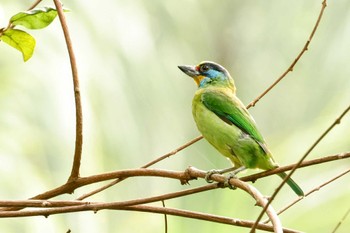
column 216, row 131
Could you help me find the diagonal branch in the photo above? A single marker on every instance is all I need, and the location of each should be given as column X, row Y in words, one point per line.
column 114, row 182
column 291, row 67
column 336, row 122
column 311, row 191
column 341, row 220
column 78, row 108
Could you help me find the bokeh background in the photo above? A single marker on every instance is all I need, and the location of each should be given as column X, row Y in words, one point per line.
column 137, row 106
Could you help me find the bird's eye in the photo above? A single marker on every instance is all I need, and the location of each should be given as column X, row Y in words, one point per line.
column 204, row 68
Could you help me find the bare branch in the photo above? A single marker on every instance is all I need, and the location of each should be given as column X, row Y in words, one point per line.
column 310, row 192
column 167, row 155
column 206, row 217
column 325, row 159
column 165, row 219
column 184, row 177
column 75, row 206
column 336, row 122
column 78, row 108
column 291, row 67
column 341, row 220
column 93, row 206
column 34, row 4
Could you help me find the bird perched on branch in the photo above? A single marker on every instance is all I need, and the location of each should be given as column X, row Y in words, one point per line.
column 225, row 122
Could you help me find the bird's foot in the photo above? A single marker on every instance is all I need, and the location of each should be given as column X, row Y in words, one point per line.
column 209, row 174
column 230, row 176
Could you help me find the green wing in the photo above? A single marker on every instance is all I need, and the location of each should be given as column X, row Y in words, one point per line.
column 231, row 110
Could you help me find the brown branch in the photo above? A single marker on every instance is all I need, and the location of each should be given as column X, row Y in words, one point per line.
column 206, row 217
column 165, row 219
column 325, row 159
column 182, row 176
column 194, row 173
column 260, row 200
column 34, row 5
column 336, row 122
column 58, row 203
column 291, row 67
column 167, row 155
column 341, row 220
column 92, row 206
column 312, row 191
column 53, row 207
column 78, row 108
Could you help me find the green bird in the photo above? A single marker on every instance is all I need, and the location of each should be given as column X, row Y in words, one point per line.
column 225, row 122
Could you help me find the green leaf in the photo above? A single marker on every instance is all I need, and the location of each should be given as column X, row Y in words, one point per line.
column 35, row 19
column 20, row 40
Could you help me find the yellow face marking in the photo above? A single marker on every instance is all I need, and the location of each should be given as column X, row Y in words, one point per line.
column 198, row 79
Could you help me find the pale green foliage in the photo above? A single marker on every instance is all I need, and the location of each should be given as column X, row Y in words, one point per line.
column 35, row 19
column 20, row 40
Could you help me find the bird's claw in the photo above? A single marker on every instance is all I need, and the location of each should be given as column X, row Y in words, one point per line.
column 228, row 178
column 209, row 174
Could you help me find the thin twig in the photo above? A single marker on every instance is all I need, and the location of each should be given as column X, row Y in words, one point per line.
column 11, row 26
column 165, row 219
column 34, row 5
column 341, row 220
column 310, row 192
column 307, row 163
column 147, row 200
column 167, row 155
column 100, row 189
column 336, row 122
column 206, row 217
column 291, row 67
column 78, row 108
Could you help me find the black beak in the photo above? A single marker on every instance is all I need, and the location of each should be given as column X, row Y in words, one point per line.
column 189, row 70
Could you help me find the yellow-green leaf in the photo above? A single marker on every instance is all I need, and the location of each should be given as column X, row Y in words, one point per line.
column 20, row 40
column 35, row 19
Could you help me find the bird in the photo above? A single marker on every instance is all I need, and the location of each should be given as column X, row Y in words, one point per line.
column 225, row 122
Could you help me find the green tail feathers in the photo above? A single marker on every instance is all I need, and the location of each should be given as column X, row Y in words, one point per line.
column 292, row 184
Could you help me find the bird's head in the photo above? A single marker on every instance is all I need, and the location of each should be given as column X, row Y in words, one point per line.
column 208, row 73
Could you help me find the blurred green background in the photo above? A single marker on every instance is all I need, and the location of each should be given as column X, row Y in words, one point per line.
column 137, row 106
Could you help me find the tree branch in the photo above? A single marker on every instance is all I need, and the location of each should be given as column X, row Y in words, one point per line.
column 291, row 67
column 78, row 108
column 325, row 159
column 313, row 190
column 95, row 206
column 167, row 155
column 184, row 177
column 341, row 220
column 57, row 207
column 336, row 122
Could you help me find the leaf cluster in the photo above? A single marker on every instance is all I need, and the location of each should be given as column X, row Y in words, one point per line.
column 34, row 19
